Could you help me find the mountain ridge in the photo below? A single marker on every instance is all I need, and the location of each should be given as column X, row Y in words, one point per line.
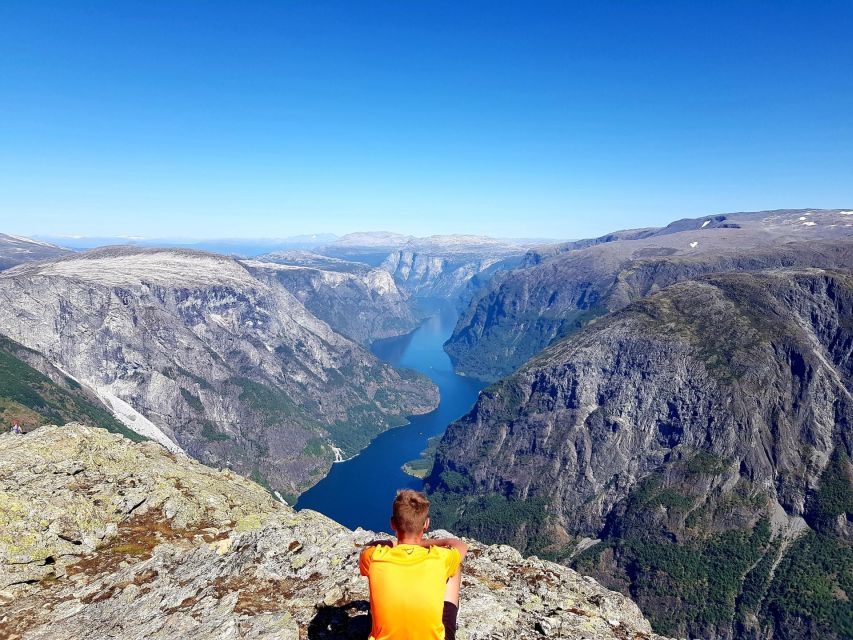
column 191, row 340
column 556, row 292
column 691, row 428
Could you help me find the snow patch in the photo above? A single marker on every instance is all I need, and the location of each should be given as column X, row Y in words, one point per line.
column 705, row 224
column 802, row 218
column 280, row 499
column 845, row 213
column 809, row 224
column 134, row 420
column 693, row 245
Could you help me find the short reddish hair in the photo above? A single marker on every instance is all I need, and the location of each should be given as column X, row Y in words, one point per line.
column 410, row 511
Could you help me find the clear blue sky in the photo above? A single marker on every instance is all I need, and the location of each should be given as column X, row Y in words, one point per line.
column 548, row 119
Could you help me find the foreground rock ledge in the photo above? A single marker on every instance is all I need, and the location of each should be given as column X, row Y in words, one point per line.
column 103, row 538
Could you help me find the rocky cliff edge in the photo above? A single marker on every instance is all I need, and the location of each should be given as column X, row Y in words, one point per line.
column 104, row 538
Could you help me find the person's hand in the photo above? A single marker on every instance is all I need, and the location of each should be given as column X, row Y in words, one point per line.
column 382, row 543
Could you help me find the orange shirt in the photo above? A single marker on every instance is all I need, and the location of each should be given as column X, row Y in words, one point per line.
column 407, row 585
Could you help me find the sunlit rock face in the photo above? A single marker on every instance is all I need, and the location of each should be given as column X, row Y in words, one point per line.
column 193, row 351
column 560, row 288
column 357, row 301
column 443, row 267
column 105, row 538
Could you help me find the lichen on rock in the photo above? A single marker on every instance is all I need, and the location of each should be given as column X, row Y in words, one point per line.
column 127, row 540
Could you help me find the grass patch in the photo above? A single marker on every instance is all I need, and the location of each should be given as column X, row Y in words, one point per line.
column 50, row 403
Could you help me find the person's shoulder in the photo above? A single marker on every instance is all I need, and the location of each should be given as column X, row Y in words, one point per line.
column 444, row 552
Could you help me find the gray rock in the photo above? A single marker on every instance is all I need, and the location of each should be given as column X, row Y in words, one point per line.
column 560, row 288
column 191, row 350
column 256, row 570
column 357, row 301
column 712, row 407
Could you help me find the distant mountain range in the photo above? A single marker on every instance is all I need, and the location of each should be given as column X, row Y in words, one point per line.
column 243, row 247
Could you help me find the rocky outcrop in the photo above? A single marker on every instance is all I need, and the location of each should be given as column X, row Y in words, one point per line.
column 191, row 350
column 15, row 250
column 675, row 448
column 563, row 287
column 357, row 301
column 102, row 538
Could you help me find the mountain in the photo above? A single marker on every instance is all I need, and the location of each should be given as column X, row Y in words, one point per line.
column 191, row 350
column 245, row 247
column 443, row 266
column 357, row 301
column 435, row 267
column 103, row 538
column 370, row 247
column 15, row 250
column 691, row 449
column 33, row 393
column 560, row 288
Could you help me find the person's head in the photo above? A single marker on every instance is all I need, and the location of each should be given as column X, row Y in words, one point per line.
column 410, row 513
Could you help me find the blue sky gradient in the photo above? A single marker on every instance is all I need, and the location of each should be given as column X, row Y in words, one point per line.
column 514, row 119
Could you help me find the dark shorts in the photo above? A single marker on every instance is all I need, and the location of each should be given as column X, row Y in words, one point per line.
column 448, row 618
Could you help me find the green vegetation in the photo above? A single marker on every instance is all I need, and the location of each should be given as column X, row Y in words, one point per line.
column 704, row 463
column 421, row 467
column 755, row 585
column 834, row 496
column 193, row 400
column 363, row 423
column 173, row 372
column 811, row 590
column 316, row 447
column 32, row 399
column 493, row 518
column 702, row 578
column 211, row 433
column 274, row 404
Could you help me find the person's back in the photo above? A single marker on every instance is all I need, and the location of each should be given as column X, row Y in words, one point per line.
column 414, row 583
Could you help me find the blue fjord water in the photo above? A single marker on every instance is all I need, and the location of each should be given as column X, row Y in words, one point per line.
column 359, row 491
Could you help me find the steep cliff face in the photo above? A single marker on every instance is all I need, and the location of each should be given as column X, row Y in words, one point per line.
column 561, row 288
column 443, row 266
column 33, row 393
column 191, row 350
column 360, row 302
column 15, row 250
column 101, row 538
column 691, row 433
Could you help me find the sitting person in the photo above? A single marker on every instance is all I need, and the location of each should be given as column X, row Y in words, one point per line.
column 414, row 581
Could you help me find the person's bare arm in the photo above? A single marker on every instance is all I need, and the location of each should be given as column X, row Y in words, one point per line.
column 451, row 543
column 381, row 543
